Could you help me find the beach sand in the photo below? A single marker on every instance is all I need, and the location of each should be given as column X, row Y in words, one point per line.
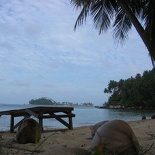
column 74, row 142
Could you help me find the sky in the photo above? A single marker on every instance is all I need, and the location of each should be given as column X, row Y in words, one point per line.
column 42, row 56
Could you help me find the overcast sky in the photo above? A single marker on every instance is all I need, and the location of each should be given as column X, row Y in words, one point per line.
column 42, row 56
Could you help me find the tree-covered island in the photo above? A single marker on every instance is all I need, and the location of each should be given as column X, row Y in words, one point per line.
column 134, row 92
column 47, row 101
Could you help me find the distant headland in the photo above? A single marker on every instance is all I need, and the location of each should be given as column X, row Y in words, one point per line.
column 47, row 101
column 132, row 93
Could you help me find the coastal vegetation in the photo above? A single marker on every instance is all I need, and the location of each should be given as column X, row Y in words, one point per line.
column 47, row 101
column 134, row 92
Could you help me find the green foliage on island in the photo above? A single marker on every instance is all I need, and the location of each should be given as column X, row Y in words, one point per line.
column 42, row 101
column 46, row 101
column 135, row 92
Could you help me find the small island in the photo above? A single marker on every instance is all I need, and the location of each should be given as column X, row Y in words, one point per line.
column 47, row 101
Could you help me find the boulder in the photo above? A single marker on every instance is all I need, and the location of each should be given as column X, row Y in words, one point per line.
column 29, row 131
column 153, row 116
column 115, row 138
column 96, row 126
column 143, row 117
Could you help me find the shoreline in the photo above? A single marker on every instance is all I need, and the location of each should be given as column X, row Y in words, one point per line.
column 125, row 108
column 76, row 141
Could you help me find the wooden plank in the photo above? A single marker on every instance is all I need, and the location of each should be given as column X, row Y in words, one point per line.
column 20, row 122
column 37, row 110
column 61, row 120
column 31, row 113
column 56, row 116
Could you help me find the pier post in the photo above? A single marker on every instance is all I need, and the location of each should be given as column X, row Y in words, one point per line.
column 12, row 123
column 70, row 121
column 41, row 120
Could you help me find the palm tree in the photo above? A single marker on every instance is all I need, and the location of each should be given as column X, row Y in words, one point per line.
column 121, row 15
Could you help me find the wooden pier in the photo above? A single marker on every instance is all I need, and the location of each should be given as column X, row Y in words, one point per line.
column 41, row 112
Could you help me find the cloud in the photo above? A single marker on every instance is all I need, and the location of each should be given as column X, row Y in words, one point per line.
column 41, row 54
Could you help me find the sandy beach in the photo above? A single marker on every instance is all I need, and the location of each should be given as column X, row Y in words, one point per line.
column 74, row 142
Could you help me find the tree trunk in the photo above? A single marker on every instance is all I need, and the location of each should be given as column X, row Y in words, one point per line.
column 139, row 29
column 152, row 27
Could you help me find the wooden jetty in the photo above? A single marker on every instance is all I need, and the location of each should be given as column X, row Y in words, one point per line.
column 41, row 112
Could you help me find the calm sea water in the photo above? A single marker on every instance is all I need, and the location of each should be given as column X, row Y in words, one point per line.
column 85, row 116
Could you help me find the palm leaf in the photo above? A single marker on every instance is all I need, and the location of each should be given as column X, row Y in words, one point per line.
column 84, row 12
column 103, row 12
column 122, row 25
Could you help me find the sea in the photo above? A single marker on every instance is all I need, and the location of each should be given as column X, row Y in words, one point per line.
column 85, row 116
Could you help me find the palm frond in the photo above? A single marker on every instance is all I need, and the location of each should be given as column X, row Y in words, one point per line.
column 78, row 3
column 122, row 12
column 102, row 12
column 136, row 6
column 85, row 5
column 122, row 25
column 146, row 13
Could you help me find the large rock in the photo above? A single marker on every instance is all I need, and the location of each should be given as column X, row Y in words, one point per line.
column 153, row 116
column 96, row 126
column 29, row 131
column 115, row 137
